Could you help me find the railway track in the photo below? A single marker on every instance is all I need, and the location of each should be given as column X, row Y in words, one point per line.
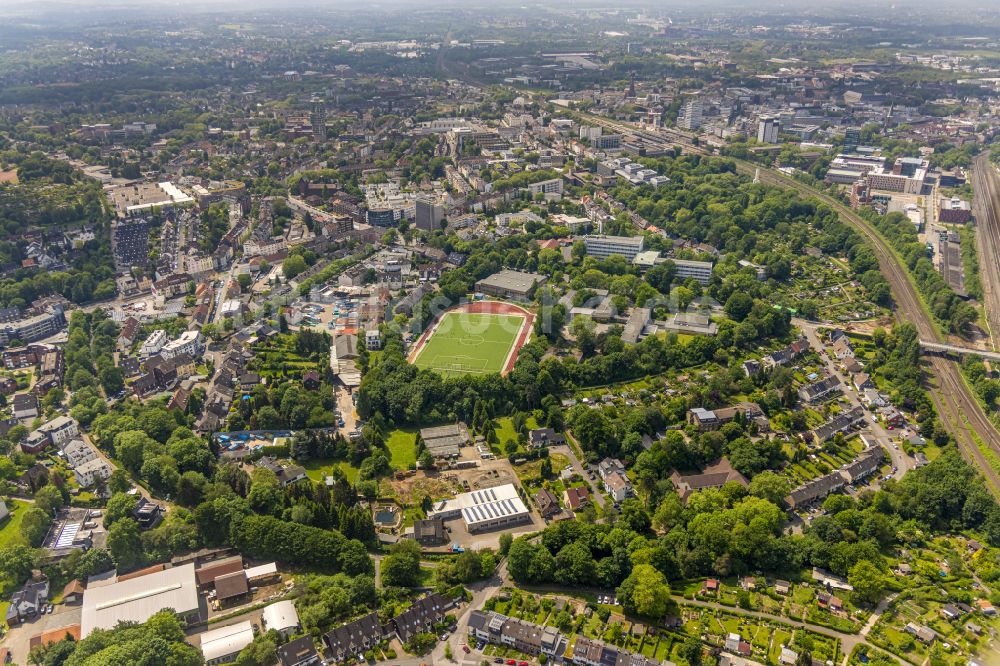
column 953, row 400
column 958, row 408
column 985, row 200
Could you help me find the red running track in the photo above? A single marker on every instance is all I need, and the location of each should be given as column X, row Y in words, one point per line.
column 486, row 307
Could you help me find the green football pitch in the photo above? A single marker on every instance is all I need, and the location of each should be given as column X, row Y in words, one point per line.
column 465, row 343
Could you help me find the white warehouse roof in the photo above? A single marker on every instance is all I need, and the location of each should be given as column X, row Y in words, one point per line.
column 482, row 506
column 226, row 641
column 139, row 598
column 280, row 616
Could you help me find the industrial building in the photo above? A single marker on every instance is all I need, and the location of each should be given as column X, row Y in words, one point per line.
column 221, row 646
column 486, row 509
column 138, row 599
column 445, row 441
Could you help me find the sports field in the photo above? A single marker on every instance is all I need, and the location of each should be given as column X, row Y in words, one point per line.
column 464, row 343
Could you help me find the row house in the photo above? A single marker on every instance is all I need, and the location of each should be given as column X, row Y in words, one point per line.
column 525, row 637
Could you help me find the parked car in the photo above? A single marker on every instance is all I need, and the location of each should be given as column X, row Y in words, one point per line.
column 465, row 649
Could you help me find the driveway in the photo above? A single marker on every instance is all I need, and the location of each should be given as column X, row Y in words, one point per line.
column 567, row 450
column 18, row 639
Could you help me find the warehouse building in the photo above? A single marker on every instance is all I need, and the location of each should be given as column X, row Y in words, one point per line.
column 221, row 646
column 445, row 441
column 138, row 599
column 487, row 509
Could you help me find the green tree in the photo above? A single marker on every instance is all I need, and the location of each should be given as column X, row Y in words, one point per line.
column 125, row 543
column 401, row 567
column 867, row 581
column 35, row 525
column 645, row 592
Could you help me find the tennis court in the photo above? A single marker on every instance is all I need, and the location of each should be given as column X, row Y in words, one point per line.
column 464, row 343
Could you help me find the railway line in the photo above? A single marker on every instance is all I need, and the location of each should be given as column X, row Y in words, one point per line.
column 953, row 400
column 986, row 198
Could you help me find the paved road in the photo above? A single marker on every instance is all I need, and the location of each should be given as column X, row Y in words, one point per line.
column 578, row 467
column 958, row 408
column 481, row 591
column 18, row 639
column 900, row 460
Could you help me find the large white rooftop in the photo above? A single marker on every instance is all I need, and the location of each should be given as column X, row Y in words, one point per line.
column 139, row 598
column 481, row 506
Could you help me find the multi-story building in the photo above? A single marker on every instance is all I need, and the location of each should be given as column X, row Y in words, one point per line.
column 429, row 213
column 35, row 327
column 954, row 211
column 60, row 430
column 607, row 142
column 92, row 472
column 701, row 271
column 767, row 129
column 189, row 342
column 691, row 115
column 546, row 187
column 605, row 246
column 154, row 343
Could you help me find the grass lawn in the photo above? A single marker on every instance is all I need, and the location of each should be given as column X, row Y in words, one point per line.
column 401, row 445
column 10, row 528
column 466, row 343
column 317, row 470
column 505, row 429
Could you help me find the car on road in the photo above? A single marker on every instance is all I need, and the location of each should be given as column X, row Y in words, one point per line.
column 465, row 649
column 511, row 662
column 498, row 660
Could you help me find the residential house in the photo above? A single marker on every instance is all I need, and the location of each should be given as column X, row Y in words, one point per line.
column 782, row 587
column 862, row 381
column 60, row 430
column 25, row 406
column 78, row 452
column 548, row 504
column 786, row 355
column 430, row 531
column 590, row 652
column 866, row 464
column 147, row 513
column 128, row 334
column 26, row 603
column 820, row 389
column 713, row 419
column 521, row 635
column 616, row 483
column 814, row 490
column 311, row 380
column 92, row 472
column 715, row 475
column 421, row 616
column 542, row 437
column 299, row 652
column 576, row 496
column 841, row 423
